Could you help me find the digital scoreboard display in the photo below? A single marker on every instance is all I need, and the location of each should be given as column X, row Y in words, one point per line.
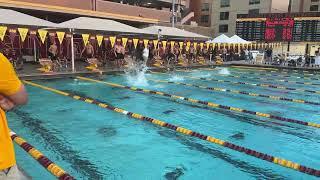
column 280, row 29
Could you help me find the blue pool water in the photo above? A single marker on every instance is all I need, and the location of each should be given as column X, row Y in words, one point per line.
column 93, row 143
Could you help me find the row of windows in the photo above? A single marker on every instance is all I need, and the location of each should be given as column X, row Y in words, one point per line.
column 226, row 3
column 223, row 28
column 225, row 15
column 314, row 7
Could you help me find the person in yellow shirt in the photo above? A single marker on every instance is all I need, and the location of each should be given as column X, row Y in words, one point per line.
column 12, row 94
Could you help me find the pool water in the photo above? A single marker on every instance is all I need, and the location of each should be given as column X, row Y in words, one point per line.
column 93, row 143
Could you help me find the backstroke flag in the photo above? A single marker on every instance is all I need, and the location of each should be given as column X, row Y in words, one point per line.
column 43, row 35
column 60, row 35
column 172, row 44
column 112, row 40
column 23, row 33
column 124, row 42
column 99, row 39
column 135, row 42
column 164, row 44
column 145, row 42
column 155, row 43
column 181, row 44
column 85, row 38
column 3, row 30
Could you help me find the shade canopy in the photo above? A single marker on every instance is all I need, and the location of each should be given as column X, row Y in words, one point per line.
column 97, row 24
column 173, row 32
column 221, row 39
column 11, row 17
column 238, row 40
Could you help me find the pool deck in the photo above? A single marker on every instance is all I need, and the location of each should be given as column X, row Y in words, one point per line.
column 30, row 71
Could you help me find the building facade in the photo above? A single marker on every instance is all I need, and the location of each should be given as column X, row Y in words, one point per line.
column 221, row 15
column 305, row 6
column 224, row 12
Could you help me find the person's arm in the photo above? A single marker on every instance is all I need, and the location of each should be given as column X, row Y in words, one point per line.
column 20, row 97
column 11, row 88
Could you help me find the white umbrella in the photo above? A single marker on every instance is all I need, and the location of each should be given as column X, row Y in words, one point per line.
column 238, row 40
column 97, row 24
column 221, row 39
column 12, row 17
column 173, row 32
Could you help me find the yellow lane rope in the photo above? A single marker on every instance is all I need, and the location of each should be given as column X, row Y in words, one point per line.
column 239, row 92
column 41, row 159
column 251, row 84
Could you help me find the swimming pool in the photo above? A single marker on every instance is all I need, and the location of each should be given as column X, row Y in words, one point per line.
column 91, row 142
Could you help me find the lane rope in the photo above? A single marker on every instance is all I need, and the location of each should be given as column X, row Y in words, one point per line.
column 205, row 103
column 239, row 92
column 250, row 84
column 276, row 75
column 262, row 156
column 283, row 71
column 53, row 168
column 269, row 79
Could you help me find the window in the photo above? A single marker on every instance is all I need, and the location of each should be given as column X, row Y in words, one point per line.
column 253, row 12
column 314, row 7
column 204, row 18
column 223, row 28
column 251, row 2
column 205, row 7
column 224, row 15
column 225, row 3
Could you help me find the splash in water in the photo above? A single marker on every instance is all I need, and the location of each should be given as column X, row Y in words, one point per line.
column 136, row 72
column 224, row 71
column 176, row 78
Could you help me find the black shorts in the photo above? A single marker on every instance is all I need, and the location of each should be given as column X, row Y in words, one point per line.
column 52, row 57
column 119, row 56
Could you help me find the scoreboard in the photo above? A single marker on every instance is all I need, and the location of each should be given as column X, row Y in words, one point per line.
column 306, row 30
column 273, row 29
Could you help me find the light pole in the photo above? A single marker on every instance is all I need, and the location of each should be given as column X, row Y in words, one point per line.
column 173, row 13
column 289, row 12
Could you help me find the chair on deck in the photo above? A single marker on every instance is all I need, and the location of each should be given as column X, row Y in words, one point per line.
column 47, row 65
column 219, row 60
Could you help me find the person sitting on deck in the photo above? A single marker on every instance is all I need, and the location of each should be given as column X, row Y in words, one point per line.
column 12, row 94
